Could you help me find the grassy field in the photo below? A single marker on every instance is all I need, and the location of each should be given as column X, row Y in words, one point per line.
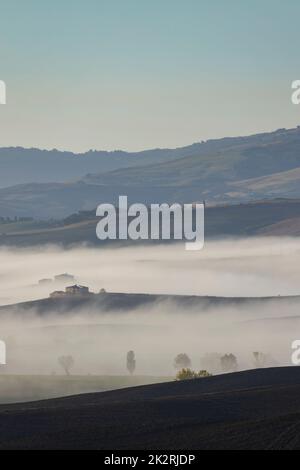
column 21, row 388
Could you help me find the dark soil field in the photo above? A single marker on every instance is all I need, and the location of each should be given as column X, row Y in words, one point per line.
column 257, row 409
column 25, row 388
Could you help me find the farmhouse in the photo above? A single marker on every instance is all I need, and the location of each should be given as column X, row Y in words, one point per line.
column 77, row 290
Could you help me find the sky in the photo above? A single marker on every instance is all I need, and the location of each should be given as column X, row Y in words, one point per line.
column 135, row 74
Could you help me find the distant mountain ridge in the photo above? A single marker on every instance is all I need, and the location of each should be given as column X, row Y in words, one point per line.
column 20, row 165
column 228, row 170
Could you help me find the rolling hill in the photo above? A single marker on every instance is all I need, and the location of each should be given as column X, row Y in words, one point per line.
column 229, row 170
column 125, row 302
column 273, row 217
column 21, row 388
column 20, row 165
column 256, row 409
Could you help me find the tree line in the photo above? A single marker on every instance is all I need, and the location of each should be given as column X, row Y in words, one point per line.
column 182, row 363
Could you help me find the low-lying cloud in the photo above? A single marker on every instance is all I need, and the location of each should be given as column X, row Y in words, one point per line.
column 99, row 340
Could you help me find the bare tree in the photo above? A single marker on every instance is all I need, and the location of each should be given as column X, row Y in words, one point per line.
column 131, row 362
column 182, row 361
column 66, row 362
column 259, row 359
column 262, row 360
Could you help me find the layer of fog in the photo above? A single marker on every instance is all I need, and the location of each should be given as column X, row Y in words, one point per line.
column 250, row 267
column 99, row 341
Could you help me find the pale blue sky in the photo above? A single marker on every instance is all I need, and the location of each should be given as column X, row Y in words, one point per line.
column 132, row 74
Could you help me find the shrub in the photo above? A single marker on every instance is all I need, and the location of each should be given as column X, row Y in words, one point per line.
column 189, row 374
column 204, row 373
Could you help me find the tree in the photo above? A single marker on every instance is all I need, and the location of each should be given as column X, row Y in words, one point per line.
column 182, row 361
column 188, row 374
column 66, row 362
column 259, row 360
column 229, row 363
column 131, row 362
column 212, row 362
column 262, row 360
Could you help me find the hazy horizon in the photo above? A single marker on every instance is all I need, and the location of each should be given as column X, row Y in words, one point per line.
column 112, row 150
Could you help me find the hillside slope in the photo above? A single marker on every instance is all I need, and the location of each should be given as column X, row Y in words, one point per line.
column 248, row 410
column 225, row 170
column 274, row 217
column 22, row 166
column 125, row 302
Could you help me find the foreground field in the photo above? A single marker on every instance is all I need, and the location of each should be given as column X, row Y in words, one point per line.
column 21, row 388
column 247, row 410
